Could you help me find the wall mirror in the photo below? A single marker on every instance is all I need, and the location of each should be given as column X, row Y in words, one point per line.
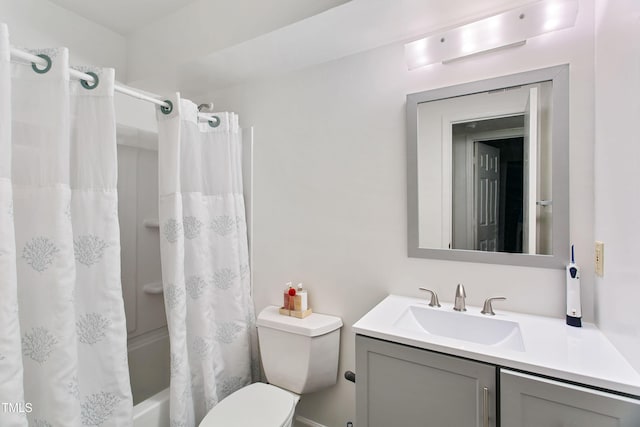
column 488, row 170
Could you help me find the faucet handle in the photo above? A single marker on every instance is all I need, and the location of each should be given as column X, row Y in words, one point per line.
column 434, row 297
column 488, row 309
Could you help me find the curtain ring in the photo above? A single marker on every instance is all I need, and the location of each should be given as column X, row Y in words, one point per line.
column 85, row 84
column 46, row 67
column 212, row 123
column 167, row 110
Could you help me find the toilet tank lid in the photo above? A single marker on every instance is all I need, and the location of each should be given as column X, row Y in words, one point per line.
column 313, row 325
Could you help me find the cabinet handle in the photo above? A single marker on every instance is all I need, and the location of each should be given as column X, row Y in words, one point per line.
column 485, row 415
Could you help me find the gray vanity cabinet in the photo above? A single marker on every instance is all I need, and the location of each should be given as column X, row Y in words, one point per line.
column 404, row 386
column 529, row 401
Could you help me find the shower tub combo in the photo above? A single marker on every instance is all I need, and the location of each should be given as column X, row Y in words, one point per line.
column 148, row 338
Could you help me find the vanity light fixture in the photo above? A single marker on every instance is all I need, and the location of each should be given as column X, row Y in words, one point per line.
column 508, row 29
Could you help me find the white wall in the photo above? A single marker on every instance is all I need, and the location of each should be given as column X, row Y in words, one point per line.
column 330, row 188
column 617, row 150
column 135, row 113
column 40, row 23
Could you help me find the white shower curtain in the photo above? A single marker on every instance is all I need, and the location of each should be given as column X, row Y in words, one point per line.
column 205, row 266
column 63, row 348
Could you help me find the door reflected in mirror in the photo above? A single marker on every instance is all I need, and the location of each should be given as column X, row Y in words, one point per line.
column 488, row 197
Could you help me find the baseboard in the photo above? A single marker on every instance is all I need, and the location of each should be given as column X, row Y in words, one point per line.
column 307, row 422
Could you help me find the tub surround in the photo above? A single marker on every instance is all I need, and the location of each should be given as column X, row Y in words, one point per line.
column 551, row 348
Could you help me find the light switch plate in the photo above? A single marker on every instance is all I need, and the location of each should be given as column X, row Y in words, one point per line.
column 599, row 258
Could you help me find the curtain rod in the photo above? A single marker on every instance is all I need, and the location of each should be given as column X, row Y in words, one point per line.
column 118, row 87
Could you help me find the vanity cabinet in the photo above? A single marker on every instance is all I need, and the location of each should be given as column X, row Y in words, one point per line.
column 530, row 401
column 398, row 385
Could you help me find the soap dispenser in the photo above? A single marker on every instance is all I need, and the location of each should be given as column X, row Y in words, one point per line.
column 288, row 300
column 302, row 303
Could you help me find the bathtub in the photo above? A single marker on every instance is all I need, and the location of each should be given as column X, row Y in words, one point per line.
column 152, row 412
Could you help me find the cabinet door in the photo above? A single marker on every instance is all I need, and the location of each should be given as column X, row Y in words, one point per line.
column 404, row 386
column 528, row 401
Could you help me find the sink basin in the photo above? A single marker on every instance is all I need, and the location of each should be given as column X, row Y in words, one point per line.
column 463, row 326
column 541, row 345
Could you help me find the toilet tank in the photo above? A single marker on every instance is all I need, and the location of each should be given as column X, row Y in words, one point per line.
column 299, row 355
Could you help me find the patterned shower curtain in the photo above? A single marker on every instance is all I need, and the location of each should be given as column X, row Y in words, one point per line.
column 205, row 267
column 63, row 354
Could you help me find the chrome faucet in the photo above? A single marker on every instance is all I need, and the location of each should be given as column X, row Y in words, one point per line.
column 434, row 297
column 459, row 305
column 488, row 309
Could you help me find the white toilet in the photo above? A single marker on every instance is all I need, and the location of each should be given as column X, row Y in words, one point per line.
column 298, row 356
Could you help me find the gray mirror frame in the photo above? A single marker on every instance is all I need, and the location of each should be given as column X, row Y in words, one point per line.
column 559, row 75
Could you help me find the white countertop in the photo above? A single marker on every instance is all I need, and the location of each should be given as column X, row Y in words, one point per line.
column 583, row 355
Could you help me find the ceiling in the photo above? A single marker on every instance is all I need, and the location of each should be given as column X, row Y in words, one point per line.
column 203, row 45
column 353, row 27
column 123, row 16
column 127, row 16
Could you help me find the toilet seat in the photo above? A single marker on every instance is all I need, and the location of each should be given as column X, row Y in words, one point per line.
column 257, row 404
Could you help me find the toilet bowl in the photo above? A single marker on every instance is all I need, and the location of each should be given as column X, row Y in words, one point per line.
column 257, row 404
column 298, row 355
